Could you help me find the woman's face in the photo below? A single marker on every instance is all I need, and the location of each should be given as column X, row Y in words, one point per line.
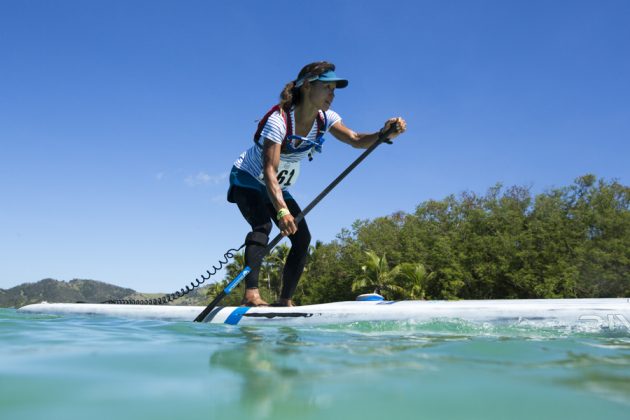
column 320, row 94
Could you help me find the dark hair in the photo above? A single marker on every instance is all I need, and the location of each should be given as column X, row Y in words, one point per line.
column 290, row 95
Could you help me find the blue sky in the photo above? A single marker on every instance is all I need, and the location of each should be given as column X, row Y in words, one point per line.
column 119, row 120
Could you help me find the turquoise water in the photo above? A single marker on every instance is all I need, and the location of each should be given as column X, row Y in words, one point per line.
column 99, row 367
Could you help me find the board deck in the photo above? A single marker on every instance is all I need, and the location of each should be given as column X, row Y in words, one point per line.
column 604, row 312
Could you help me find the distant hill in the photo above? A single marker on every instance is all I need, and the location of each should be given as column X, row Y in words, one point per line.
column 80, row 290
column 61, row 291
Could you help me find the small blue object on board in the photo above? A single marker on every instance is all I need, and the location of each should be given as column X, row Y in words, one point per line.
column 370, row 296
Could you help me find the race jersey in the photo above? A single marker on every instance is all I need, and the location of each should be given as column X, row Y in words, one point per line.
column 275, row 130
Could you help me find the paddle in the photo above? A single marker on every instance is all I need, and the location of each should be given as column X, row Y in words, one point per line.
column 381, row 138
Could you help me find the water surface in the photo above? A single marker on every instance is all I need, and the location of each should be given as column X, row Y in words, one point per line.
column 79, row 367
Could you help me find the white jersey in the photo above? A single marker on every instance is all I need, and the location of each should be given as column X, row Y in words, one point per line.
column 275, row 130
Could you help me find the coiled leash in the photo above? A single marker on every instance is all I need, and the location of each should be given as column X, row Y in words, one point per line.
column 229, row 254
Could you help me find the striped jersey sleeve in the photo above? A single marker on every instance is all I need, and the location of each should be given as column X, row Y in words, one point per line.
column 332, row 117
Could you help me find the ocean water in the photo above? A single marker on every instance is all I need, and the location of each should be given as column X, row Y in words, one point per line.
column 89, row 367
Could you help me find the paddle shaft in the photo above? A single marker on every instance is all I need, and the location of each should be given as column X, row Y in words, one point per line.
column 381, row 138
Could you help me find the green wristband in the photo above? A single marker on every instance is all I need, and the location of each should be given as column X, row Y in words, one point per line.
column 281, row 213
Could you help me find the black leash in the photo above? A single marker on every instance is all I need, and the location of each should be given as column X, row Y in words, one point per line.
column 229, row 254
column 381, row 138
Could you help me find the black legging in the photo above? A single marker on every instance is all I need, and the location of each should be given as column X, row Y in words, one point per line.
column 259, row 213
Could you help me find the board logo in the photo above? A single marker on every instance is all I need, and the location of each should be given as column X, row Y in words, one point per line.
column 610, row 321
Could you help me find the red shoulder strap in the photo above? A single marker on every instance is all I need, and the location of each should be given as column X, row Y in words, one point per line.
column 263, row 121
column 321, row 123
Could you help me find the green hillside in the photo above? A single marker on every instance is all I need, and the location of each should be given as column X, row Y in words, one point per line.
column 80, row 290
column 61, row 291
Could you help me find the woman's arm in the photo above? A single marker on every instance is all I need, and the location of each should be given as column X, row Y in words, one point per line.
column 363, row 141
column 271, row 160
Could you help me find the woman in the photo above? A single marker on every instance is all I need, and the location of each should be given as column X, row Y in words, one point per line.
column 289, row 132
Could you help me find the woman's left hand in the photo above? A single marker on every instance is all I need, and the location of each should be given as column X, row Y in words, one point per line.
column 401, row 127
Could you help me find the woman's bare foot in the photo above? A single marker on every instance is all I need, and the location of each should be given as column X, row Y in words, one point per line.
column 252, row 298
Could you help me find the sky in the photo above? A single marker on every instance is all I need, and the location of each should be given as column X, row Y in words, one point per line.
column 120, row 120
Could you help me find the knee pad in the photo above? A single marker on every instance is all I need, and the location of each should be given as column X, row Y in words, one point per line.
column 256, row 238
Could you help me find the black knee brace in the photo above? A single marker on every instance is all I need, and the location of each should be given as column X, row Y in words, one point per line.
column 256, row 238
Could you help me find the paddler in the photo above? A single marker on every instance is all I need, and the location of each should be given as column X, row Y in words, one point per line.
column 261, row 176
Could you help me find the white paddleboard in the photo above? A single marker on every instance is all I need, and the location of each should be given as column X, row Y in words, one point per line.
column 613, row 313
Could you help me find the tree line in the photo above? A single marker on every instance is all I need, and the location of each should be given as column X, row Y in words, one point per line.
column 567, row 242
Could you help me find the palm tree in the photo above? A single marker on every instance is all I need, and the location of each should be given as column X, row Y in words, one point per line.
column 377, row 275
column 416, row 275
column 272, row 267
column 266, row 272
column 236, row 266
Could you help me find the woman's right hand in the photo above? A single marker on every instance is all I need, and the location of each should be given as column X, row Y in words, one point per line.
column 400, row 127
column 287, row 225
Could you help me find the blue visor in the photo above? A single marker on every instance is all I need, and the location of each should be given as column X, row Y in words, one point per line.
column 326, row 77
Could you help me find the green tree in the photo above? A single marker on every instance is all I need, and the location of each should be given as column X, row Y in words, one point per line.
column 378, row 276
column 329, row 273
column 271, row 272
column 415, row 276
column 572, row 241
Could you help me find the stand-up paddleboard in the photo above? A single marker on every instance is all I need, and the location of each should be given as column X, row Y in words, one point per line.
column 614, row 313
